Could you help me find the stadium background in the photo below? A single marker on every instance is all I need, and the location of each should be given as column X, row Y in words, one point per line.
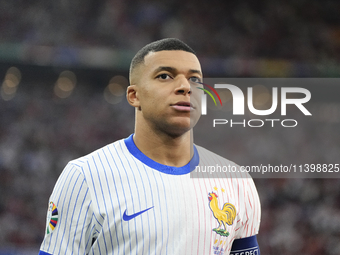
column 63, row 66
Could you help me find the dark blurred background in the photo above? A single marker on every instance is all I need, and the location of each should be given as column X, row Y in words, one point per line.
column 64, row 70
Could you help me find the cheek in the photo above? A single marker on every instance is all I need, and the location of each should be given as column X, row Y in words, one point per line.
column 196, row 99
column 149, row 100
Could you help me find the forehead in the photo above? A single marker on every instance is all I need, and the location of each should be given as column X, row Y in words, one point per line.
column 181, row 60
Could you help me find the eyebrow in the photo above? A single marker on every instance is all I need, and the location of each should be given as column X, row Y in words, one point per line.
column 174, row 70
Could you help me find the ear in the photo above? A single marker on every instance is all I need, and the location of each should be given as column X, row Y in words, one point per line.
column 132, row 95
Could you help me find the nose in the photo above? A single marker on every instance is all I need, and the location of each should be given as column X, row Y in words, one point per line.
column 183, row 86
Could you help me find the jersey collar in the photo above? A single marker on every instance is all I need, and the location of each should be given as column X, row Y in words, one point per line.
column 130, row 144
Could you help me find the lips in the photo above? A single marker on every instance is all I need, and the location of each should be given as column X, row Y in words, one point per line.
column 183, row 106
column 183, row 103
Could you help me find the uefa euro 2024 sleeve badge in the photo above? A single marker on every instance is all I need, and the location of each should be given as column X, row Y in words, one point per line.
column 52, row 218
column 225, row 216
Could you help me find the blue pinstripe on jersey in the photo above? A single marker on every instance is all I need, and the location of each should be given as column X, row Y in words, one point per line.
column 121, row 222
column 136, row 167
column 136, row 185
column 101, row 188
column 120, row 210
column 160, row 208
column 154, row 216
column 58, row 188
column 80, row 211
column 98, row 248
column 61, row 216
column 94, row 215
column 133, row 207
column 83, row 227
column 68, row 208
column 108, row 186
column 90, row 237
column 99, row 210
column 94, row 189
column 74, row 208
column 166, row 210
column 133, row 204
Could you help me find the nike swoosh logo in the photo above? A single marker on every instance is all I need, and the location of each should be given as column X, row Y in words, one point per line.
column 130, row 217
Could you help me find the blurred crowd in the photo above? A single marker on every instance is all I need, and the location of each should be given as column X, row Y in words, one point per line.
column 39, row 133
column 301, row 30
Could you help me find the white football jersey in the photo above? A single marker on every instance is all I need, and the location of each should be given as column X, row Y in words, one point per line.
column 118, row 201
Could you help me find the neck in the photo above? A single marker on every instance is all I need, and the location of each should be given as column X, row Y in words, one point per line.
column 163, row 148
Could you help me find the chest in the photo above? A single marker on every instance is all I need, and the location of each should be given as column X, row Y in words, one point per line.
column 168, row 213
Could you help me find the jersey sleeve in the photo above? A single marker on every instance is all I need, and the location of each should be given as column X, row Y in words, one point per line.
column 70, row 224
column 246, row 242
column 247, row 245
column 252, row 214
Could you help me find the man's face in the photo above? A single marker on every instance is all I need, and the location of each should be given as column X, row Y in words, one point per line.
column 167, row 91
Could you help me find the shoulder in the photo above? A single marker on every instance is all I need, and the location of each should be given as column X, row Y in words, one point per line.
column 219, row 166
column 100, row 157
column 211, row 156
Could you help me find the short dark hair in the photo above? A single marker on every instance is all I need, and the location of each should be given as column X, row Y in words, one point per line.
column 160, row 45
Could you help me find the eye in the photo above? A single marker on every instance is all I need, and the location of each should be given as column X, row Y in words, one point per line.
column 195, row 79
column 163, row 76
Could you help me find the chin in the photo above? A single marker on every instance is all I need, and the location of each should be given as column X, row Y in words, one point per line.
column 177, row 129
column 177, row 133
column 185, row 125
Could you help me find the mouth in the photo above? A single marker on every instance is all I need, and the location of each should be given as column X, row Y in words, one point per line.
column 183, row 106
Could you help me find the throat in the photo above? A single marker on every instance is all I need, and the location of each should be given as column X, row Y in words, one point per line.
column 165, row 150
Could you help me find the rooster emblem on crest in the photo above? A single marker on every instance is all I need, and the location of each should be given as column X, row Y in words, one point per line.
column 225, row 216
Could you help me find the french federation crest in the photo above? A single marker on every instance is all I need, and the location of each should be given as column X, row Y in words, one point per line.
column 224, row 216
column 52, row 218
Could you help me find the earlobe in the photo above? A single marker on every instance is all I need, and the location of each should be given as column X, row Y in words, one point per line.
column 132, row 96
